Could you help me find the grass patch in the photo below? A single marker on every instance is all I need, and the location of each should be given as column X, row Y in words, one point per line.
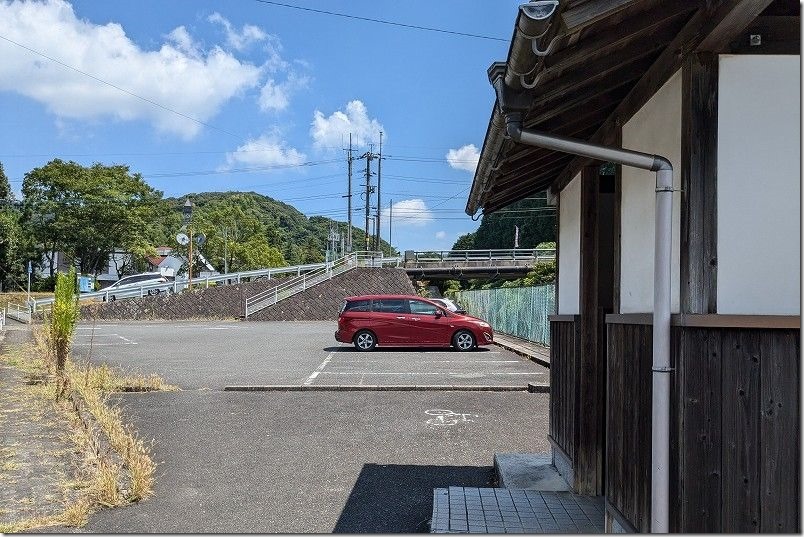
column 99, row 483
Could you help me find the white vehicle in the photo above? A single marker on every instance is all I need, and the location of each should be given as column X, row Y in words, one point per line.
column 128, row 285
column 448, row 304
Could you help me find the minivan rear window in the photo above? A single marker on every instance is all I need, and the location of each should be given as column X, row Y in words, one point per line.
column 390, row 305
column 358, row 305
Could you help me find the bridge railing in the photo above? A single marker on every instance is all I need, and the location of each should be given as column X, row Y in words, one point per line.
column 513, row 254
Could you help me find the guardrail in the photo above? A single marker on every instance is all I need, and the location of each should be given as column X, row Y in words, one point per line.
column 18, row 312
column 180, row 284
column 285, row 290
column 514, row 254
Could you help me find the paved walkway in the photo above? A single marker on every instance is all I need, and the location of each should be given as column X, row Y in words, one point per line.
column 37, row 456
column 538, row 353
column 490, row 510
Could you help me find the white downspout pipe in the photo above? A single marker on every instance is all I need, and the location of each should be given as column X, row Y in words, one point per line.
column 660, row 434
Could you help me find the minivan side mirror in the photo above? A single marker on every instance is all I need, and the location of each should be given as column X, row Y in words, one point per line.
column 438, row 314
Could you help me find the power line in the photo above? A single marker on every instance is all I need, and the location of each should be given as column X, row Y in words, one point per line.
column 118, row 88
column 381, row 21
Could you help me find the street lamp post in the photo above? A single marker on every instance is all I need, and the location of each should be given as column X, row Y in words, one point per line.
column 187, row 211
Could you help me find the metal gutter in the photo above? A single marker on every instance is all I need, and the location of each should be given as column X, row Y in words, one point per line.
column 512, row 108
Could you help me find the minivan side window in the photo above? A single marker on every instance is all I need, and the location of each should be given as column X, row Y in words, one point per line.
column 422, row 308
column 390, row 305
column 358, row 305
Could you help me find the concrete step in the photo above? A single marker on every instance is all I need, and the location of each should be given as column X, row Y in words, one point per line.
column 528, row 471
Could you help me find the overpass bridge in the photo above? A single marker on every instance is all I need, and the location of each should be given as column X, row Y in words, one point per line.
column 465, row 264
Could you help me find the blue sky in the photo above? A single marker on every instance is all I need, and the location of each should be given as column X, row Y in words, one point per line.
column 272, row 92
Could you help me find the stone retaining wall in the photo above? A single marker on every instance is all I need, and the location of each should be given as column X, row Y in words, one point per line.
column 320, row 302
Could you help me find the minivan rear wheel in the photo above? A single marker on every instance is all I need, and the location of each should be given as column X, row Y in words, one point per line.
column 365, row 340
column 463, row 340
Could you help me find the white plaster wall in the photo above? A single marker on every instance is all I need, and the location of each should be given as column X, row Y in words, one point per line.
column 569, row 248
column 655, row 129
column 759, row 185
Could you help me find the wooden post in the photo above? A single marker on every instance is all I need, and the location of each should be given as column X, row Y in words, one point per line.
column 699, row 184
column 590, row 378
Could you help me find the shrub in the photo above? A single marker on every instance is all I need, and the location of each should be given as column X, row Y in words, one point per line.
column 63, row 318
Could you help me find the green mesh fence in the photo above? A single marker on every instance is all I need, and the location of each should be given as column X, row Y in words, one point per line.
column 519, row 311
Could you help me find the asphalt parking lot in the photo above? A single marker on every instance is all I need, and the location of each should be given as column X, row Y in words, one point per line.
column 308, row 461
column 213, row 355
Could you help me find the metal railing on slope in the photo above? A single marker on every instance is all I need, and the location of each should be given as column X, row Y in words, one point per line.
column 181, row 283
column 299, row 284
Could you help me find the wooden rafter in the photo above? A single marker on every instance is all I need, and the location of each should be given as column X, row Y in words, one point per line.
column 695, row 33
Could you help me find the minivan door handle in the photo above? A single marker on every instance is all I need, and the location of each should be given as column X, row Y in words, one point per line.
column 415, row 319
column 398, row 317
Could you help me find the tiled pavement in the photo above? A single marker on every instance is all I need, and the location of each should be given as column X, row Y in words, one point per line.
column 498, row 510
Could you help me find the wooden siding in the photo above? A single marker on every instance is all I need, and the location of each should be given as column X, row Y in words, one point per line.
column 564, row 352
column 735, row 440
column 628, row 422
column 739, row 430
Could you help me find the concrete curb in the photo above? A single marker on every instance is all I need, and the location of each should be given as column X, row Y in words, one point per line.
column 376, row 388
column 522, row 352
column 538, row 387
column 99, row 442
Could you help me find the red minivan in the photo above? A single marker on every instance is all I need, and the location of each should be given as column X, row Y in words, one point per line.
column 407, row 321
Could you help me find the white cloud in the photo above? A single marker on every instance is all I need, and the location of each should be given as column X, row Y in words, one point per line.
column 238, row 40
column 276, row 96
column 267, row 150
column 413, row 212
column 179, row 75
column 441, row 235
column 330, row 132
column 464, row 158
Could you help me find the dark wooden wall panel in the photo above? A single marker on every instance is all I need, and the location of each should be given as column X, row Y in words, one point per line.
column 780, row 433
column 564, row 350
column 740, row 434
column 737, row 430
column 699, row 379
column 628, row 422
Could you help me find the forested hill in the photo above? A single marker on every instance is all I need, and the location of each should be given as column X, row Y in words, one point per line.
column 262, row 221
column 536, row 221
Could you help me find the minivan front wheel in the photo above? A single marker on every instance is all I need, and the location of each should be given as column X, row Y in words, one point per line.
column 463, row 340
column 365, row 340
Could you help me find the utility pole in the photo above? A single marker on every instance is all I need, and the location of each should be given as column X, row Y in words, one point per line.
column 349, row 159
column 225, row 252
column 368, row 155
column 379, row 200
column 390, row 227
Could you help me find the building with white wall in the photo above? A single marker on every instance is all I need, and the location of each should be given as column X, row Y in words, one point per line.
column 714, row 88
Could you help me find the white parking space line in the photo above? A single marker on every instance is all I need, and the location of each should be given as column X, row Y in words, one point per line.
column 319, row 370
column 126, row 340
column 103, row 344
column 493, row 373
column 363, row 362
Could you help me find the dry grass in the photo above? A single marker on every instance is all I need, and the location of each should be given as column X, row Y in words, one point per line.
column 98, row 486
column 18, row 298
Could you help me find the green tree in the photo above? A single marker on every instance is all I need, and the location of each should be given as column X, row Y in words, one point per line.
column 465, row 242
column 235, row 236
column 88, row 213
column 16, row 246
column 5, row 187
column 535, row 219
